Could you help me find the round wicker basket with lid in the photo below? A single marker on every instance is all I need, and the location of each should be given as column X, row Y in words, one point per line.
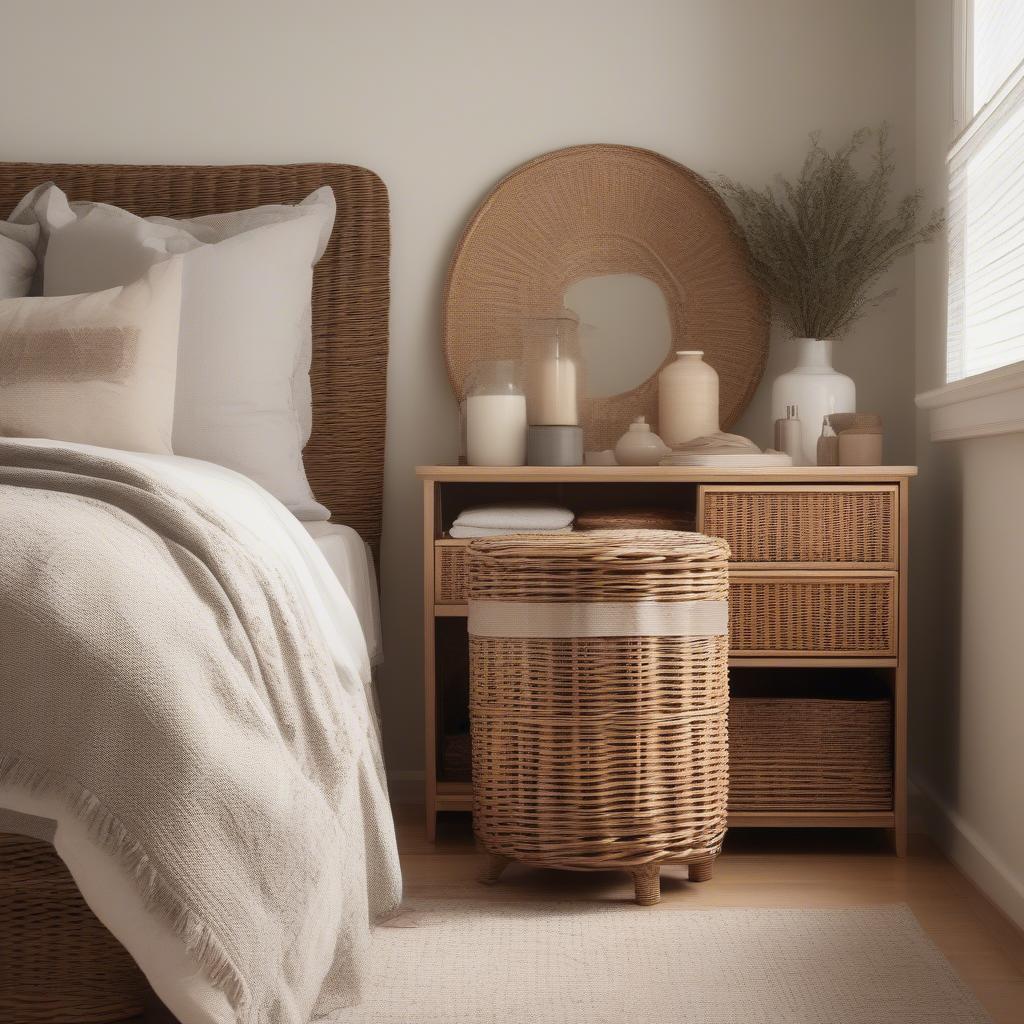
column 599, row 700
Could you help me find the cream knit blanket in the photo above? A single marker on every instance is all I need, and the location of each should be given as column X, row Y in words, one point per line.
column 164, row 680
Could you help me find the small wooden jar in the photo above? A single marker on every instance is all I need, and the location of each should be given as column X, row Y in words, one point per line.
column 860, row 446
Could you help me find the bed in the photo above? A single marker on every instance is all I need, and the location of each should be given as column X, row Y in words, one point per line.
column 71, row 964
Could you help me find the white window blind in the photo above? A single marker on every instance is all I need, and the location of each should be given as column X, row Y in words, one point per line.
column 986, row 198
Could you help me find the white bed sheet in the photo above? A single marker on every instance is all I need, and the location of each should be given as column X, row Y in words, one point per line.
column 327, row 563
column 351, row 560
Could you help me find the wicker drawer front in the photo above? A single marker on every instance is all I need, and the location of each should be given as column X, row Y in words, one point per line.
column 450, row 577
column 813, row 614
column 810, row 755
column 825, row 526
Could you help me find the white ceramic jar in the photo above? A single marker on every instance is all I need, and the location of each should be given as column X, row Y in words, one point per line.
column 816, row 389
column 639, row 446
column 687, row 399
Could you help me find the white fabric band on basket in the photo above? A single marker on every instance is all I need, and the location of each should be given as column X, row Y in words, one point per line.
column 526, row 619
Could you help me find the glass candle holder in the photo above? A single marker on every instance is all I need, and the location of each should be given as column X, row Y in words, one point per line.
column 553, row 370
column 495, row 415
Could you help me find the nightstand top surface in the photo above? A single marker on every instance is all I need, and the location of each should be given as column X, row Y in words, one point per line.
column 667, row 474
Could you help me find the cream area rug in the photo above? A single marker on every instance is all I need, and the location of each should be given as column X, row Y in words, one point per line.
column 442, row 962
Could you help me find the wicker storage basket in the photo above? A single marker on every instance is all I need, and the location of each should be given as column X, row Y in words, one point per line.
column 810, row 754
column 450, row 573
column 634, row 519
column 457, row 755
column 598, row 701
column 58, row 964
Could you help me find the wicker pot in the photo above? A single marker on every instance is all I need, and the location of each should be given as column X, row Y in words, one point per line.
column 58, row 964
column 598, row 700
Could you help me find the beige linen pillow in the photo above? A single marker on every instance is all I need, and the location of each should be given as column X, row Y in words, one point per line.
column 97, row 369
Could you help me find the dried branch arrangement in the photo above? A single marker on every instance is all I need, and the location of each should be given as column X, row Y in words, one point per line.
column 819, row 244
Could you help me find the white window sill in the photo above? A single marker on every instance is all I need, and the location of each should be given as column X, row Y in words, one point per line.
column 989, row 403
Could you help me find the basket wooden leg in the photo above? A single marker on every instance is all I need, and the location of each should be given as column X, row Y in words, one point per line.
column 647, row 885
column 700, row 870
column 495, row 865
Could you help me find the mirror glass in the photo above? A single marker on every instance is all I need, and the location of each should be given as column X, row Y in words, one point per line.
column 625, row 332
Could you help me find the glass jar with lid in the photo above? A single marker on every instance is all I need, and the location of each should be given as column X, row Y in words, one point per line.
column 553, row 369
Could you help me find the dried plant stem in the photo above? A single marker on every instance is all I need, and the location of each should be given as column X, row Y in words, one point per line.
column 820, row 243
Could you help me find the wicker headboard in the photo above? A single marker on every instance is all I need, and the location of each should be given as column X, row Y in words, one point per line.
column 345, row 455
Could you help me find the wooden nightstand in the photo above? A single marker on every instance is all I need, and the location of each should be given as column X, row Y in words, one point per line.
column 818, row 627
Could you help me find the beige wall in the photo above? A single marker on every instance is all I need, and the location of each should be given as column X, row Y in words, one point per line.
column 442, row 98
column 967, row 702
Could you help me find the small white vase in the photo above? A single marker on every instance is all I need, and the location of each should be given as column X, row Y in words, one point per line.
column 639, row 446
column 816, row 389
column 687, row 399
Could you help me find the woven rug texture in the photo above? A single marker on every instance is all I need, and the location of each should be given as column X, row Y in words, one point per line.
column 465, row 962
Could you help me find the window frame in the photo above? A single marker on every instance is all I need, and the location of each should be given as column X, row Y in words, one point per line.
column 963, row 65
column 989, row 403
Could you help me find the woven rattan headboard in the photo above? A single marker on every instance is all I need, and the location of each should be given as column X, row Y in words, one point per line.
column 345, row 455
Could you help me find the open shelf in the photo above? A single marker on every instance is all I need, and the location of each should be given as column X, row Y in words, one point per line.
column 580, row 497
column 454, row 796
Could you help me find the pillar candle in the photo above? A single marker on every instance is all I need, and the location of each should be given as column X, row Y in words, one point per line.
column 496, row 430
column 551, row 389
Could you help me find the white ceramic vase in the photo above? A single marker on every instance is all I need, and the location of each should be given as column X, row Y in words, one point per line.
column 687, row 399
column 816, row 389
column 639, row 446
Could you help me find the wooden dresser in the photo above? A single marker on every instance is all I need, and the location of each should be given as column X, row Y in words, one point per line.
column 818, row 627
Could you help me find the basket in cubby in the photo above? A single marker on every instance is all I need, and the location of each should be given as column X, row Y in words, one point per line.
column 801, row 754
column 635, row 518
column 450, row 571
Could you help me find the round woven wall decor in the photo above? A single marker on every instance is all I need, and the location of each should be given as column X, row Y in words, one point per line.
column 599, row 209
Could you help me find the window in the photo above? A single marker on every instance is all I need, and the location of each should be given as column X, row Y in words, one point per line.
column 986, row 192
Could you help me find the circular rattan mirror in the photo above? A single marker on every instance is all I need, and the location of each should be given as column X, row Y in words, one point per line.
column 590, row 211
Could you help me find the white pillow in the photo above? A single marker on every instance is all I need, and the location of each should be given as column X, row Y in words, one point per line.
column 97, row 369
column 17, row 258
column 243, row 396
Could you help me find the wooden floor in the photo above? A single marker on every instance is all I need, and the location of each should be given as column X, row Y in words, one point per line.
column 760, row 868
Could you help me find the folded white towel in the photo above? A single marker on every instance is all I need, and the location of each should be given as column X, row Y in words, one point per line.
column 458, row 532
column 516, row 517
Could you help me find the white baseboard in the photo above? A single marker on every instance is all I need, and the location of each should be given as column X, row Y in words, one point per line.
column 917, row 810
column 971, row 853
column 406, row 787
